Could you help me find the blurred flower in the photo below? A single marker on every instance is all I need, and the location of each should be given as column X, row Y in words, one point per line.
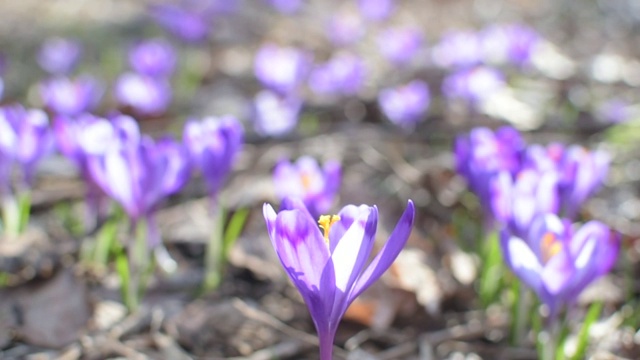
column 582, row 173
column 71, row 97
column 145, row 94
column 457, row 49
column 274, row 114
column 512, row 43
column 345, row 28
column 316, row 187
column 213, row 145
column 329, row 269
column 376, row 10
column 484, row 150
column 400, row 45
column 154, row 57
column 343, row 74
column 59, row 56
column 281, row 69
column 472, row 84
column 516, row 202
column 25, row 138
column 188, row 23
column 286, row 6
column 137, row 172
column 558, row 261
column 489, row 161
column 405, row 105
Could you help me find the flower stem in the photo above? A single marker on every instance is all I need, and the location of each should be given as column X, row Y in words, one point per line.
column 326, row 344
column 214, row 252
column 11, row 215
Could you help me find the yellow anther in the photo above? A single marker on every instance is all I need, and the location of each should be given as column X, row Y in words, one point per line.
column 550, row 246
column 326, row 221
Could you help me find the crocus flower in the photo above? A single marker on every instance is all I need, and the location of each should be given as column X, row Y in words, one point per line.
column 405, row 105
column 582, row 173
column 59, row 56
column 145, row 94
column 213, row 145
column 286, row 6
column 25, row 138
column 328, row 267
column 316, row 187
column 343, row 74
column 457, row 49
column 473, row 85
column 139, row 172
column 281, row 69
column 345, row 28
column 73, row 141
column 515, row 202
column 274, row 114
column 187, row 24
column 557, row 260
column 400, row 45
column 483, row 150
column 376, row 10
column 154, row 57
column 71, row 97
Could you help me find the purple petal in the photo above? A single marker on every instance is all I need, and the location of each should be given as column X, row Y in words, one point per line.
column 388, row 253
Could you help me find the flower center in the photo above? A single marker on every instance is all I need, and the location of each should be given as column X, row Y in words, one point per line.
column 326, row 221
column 550, row 246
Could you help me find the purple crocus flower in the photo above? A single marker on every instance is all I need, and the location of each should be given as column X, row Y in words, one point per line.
column 25, row 138
column 154, row 57
column 405, row 105
column 59, row 56
column 329, row 269
column 517, row 201
column 345, row 28
column 343, row 74
column 483, row 150
column 582, row 173
column 281, row 69
column 188, row 24
column 139, row 173
column 213, row 145
column 71, row 97
column 557, row 260
column 274, row 114
column 459, row 49
column 304, row 179
column 286, row 6
column 76, row 143
column 145, row 94
column 473, row 84
column 400, row 45
column 376, row 10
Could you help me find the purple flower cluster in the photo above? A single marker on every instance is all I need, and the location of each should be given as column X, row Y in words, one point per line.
column 71, row 97
column 190, row 21
column 498, row 45
column 146, row 89
column 523, row 189
column 343, row 74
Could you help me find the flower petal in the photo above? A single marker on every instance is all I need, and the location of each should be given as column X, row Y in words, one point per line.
column 387, row 254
